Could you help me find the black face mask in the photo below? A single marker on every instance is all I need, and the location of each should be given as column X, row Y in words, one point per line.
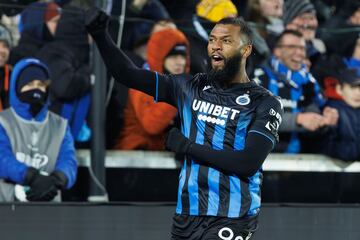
column 36, row 98
column 225, row 75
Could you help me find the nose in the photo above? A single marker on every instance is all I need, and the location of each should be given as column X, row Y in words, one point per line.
column 215, row 45
column 358, row 90
column 181, row 61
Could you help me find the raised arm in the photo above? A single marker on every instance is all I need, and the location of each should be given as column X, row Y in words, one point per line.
column 118, row 64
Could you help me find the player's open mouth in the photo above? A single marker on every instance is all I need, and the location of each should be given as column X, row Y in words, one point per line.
column 217, row 59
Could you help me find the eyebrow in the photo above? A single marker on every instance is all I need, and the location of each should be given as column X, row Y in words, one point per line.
column 225, row 36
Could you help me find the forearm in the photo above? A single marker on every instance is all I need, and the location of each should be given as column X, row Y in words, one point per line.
column 10, row 168
column 244, row 163
column 122, row 68
column 289, row 123
column 118, row 64
column 312, row 108
column 66, row 161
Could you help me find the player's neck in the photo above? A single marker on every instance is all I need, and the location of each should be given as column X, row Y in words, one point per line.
column 240, row 77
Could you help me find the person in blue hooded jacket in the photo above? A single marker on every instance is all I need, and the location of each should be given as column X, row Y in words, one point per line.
column 37, row 148
column 57, row 37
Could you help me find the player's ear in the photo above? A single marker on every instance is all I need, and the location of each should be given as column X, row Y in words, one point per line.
column 246, row 51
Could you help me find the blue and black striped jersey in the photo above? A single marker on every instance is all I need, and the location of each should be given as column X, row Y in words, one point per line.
column 210, row 116
column 221, row 119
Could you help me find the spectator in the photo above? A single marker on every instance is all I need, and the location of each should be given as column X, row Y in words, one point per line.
column 326, row 9
column 328, row 71
column 146, row 121
column 351, row 52
column 119, row 93
column 13, row 7
column 347, row 54
column 145, row 12
column 34, row 32
column 58, row 38
column 68, row 58
column 5, row 69
column 139, row 51
column 34, row 140
column 300, row 15
column 266, row 23
column 286, row 75
column 343, row 140
column 348, row 18
column 268, row 16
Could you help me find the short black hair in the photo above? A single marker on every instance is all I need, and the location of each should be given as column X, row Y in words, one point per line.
column 288, row 32
column 238, row 21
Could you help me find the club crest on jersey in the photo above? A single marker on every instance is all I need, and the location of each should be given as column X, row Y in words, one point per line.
column 243, row 99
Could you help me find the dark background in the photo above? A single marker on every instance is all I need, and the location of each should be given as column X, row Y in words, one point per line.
column 153, row 221
column 160, row 185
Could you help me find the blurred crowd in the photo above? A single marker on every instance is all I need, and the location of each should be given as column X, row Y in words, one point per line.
column 306, row 52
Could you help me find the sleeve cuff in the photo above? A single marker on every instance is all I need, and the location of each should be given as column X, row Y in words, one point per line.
column 30, row 175
column 60, row 179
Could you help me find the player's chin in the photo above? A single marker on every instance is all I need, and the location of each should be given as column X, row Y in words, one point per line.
column 218, row 65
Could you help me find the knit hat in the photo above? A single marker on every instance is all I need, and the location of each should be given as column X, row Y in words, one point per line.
column 30, row 73
column 215, row 10
column 179, row 49
column 349, row 76
column 52, row 10
column 294, row 8
column 162, row 43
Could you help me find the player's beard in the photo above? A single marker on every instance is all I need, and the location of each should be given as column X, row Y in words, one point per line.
column 227, row 74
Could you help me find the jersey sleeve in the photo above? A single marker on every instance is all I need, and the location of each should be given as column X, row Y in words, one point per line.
column 268, row 118
column 171, row 87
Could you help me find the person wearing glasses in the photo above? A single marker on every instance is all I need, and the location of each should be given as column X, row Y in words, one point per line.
column 286, row 75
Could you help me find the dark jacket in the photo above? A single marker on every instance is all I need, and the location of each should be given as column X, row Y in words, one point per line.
column 67, row 56
column 332, row 31
column 343, row 141
column 197, row 31
column 13, row 7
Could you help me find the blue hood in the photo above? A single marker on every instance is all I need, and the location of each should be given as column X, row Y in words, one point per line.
column 32, row 20
column 21, row 108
